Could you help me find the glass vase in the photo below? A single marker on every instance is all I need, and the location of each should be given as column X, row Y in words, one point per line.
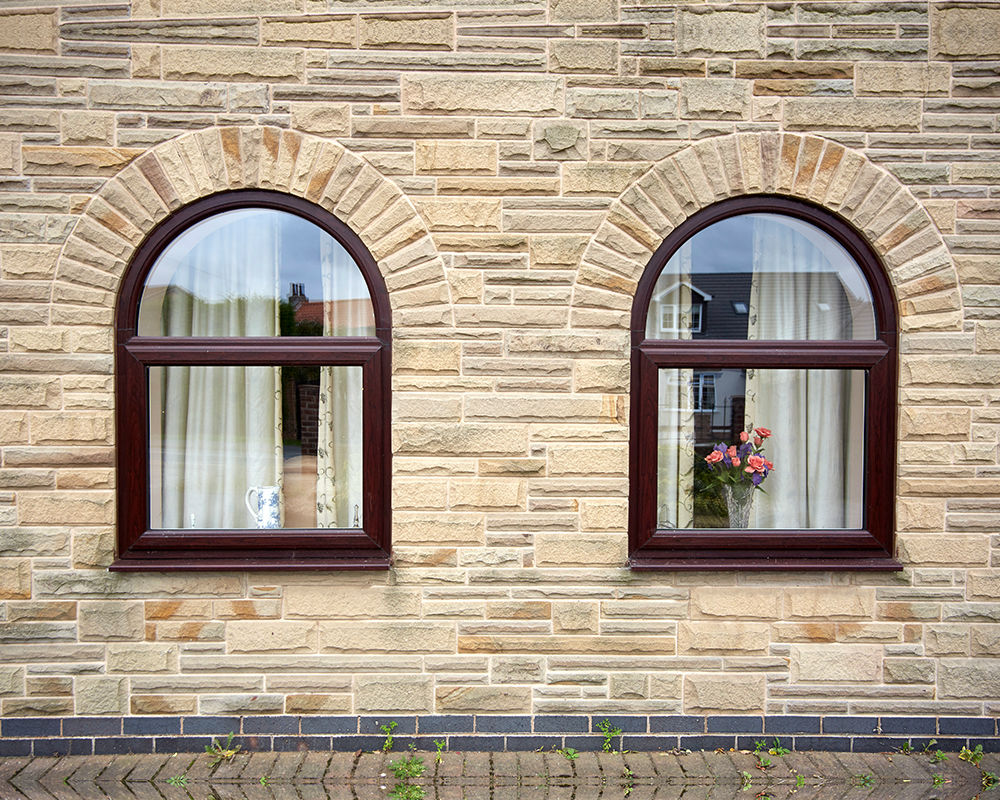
column 739, row 499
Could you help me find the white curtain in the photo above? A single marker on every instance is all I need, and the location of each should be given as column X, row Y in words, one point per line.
column 347, row 312
column 816, row 415
column 675, row 434
column 220, row 426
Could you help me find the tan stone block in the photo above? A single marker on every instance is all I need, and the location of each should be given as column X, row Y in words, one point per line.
column 603, row 515
column 987, row 337
column 970, row 550
column 517, row 670
column 191, row 631
column 311, row 31
column 716, row 32
column 427, row 357
column 246, row 609
column 964, row 32
column 909, row 670
column 599, row 178
column 146, row 60
column 583, row 10
column 715, row 98
column 15, row 578
column 318, row 704
column 253, row 636
column 386, row 637
column 29, row 391
column 43, row 610
column 852, row 114
column 88, row 127
column 722, row 638
column 519, row 609
column 10, row 156
column 582, row 55
column 73, row 508
column 178, row 609
column 575, row 617
column 736, row 602
column 934, row 423
column 482, row 699
column 160, row 705
column 723, row 693
column 461, row 529
column 225, row 8
column 226, row 704
column 447, row 94
column 665, row 686
column 142, row 657
column 323, row 119
column 29, row 31
column 393, row 694
column 487, row 494
column 77, row 161
column 407, row 31
column 549, row 644
column 445, row 214
column 919, row 515
column 835, row 664
column 589, row 461
column 34, row 261
column 351, row 602
column 902, row 78
column 968, row 678
column 580, row 549
column 609, row 377
column 953, row 371
column 511, row 467
column 829, row 602
column 75, row 428
column 628, row 686
column 48, row 686
column 203, row 63
column 444, row 157
column 983, row 585
column 101, row 695
column 423, row 493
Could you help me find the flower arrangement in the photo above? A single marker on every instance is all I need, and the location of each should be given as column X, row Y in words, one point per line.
column 732, row 464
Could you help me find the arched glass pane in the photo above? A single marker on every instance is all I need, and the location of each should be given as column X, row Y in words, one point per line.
column 761, row 276
column 255, row 272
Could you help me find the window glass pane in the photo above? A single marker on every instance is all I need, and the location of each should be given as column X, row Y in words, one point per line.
column 249, row 447
column 761, row 276
column 816, row 445
column 255, row 272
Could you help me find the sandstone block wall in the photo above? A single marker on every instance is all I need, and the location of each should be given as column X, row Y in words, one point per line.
column 512, row 165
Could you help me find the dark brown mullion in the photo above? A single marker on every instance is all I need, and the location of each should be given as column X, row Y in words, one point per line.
column 763, row 354
column 376, row 446
column 252, row 351
column 642, row 456
column 197, row 562
column 131, row 454
column 880, row 444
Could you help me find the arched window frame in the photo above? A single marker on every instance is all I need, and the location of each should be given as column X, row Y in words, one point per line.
column 142, row 548
column 871, row 547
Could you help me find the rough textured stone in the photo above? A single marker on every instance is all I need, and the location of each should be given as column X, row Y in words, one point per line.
column 964, row 31
column 716, row 32
column 848, row 663
column 835, row 113
column 472, row 94
column 394, row 694
column 726, row 694
column 29, row 31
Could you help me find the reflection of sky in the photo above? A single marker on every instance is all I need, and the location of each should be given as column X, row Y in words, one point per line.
column 728, row 246
column 197, row 262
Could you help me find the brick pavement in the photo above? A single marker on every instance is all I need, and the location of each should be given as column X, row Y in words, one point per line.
column 492, row 776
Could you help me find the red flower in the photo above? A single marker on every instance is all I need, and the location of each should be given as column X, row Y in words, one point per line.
column 755, row 464
column 758, row 441
column 715, row 455
column 744, row 436
column 731, row 452
column 736, row 462
column 763, row 432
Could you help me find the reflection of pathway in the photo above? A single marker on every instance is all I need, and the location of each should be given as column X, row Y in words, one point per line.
column 492, row 776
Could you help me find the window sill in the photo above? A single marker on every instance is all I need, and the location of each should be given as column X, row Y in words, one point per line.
column 886, row 564
column 235, row 564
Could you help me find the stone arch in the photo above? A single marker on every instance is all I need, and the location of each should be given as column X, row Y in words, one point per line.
column 897, row 226
column 172, row 174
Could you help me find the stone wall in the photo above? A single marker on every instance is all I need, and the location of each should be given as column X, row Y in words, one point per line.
column 512, row 165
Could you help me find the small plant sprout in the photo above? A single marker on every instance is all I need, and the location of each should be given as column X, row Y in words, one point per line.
column 610, row 733
column 264, row 780
column 440, row 744
column 387, row 729
column 906, row 748
column 629, row 781
column 800, row 781
column 938, row 756
column 937, row 779
column 777, row 749
column 568, row 753
column 746, row 780
column 973, row 756
column 407, row 767
column 865, row 780
column 222, row 752
column 990, row 780
column 178, row 780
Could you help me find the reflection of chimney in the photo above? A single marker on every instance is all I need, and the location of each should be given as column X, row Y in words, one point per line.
column 297, row 296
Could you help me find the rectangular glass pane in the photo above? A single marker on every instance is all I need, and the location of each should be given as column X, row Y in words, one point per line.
column 255, row 447
column 808, row 424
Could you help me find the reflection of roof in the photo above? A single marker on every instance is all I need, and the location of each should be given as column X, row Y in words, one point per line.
column 669, row 290
column 310, row 311
column 351, row 308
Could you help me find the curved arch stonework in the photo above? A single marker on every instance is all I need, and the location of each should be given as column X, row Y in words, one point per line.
column 807, row 167
column 194, row 165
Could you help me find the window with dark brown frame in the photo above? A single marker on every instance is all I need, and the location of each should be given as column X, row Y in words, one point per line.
column 793, row 464
column 253, row 392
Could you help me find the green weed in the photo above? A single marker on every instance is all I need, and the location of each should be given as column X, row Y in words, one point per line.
column 222, row 752
column 387, row 729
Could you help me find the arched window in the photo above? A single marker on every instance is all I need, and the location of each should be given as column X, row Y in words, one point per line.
column 763, row 395
column 253, row 392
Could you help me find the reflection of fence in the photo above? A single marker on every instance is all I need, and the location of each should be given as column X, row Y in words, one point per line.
column 308, row 417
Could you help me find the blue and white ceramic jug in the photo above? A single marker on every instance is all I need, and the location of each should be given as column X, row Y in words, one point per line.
column 263, row 503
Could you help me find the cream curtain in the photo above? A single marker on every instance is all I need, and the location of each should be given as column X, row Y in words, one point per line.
column 339, row 443
column 220, row 427
column 815, row 415
column 675, row 437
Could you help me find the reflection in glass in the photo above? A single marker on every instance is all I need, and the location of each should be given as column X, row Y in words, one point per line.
column 224, row 440
column 817, row 420
column 761, row 276
column 255, row 272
